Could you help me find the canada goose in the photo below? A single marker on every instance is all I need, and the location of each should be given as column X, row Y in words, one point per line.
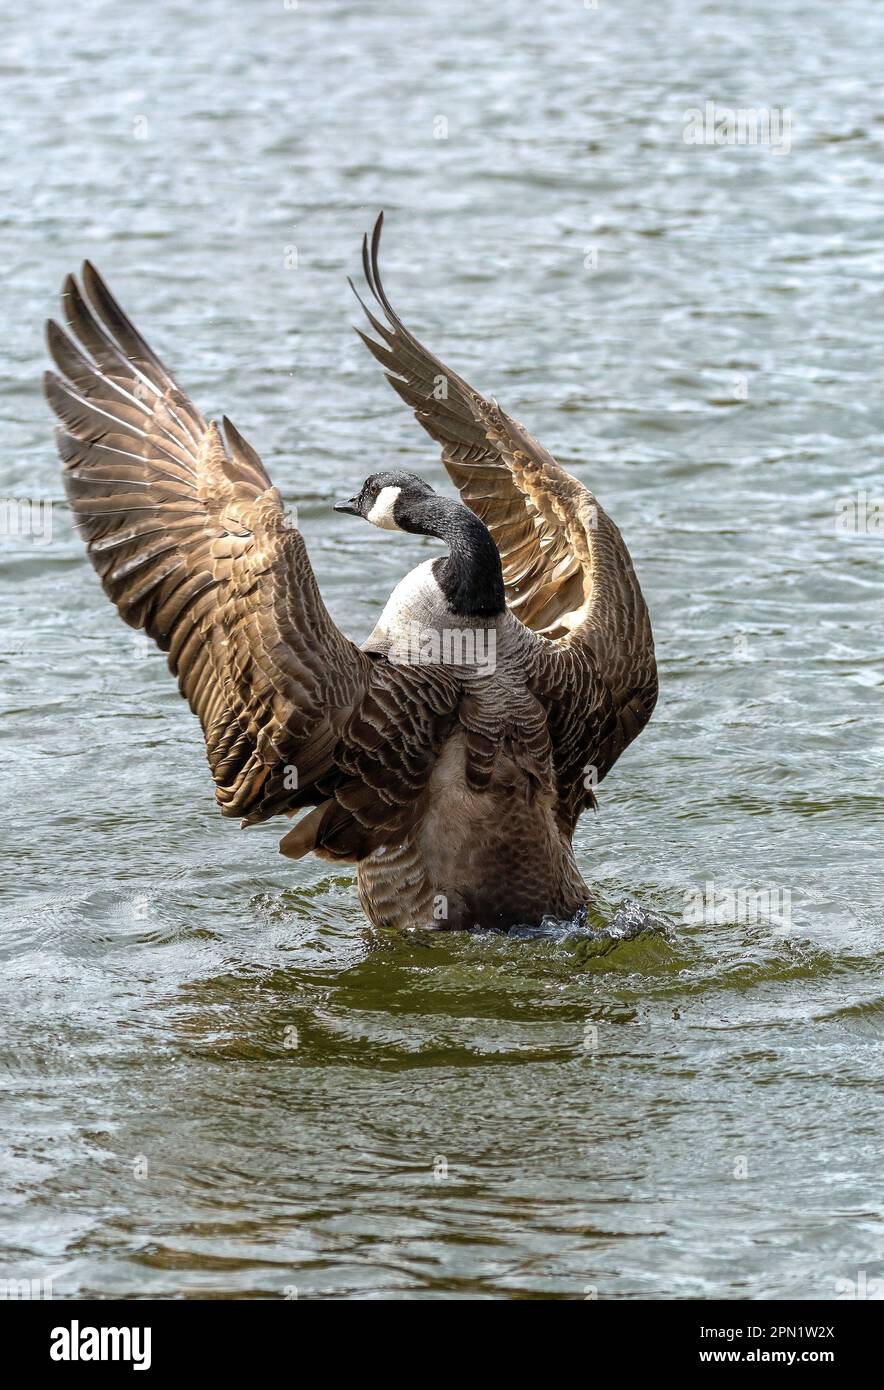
column 450, row 756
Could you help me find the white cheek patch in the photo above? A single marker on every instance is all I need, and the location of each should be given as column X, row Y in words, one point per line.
column 381, row 513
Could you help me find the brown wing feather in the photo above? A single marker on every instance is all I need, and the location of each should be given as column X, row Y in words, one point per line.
column 385, row 756
column 190, row 540
column 567, row 571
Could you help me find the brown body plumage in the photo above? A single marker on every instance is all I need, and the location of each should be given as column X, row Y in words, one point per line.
column 455, row 788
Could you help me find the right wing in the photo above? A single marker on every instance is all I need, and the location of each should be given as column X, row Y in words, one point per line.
column 567, row 571
column 190, row 540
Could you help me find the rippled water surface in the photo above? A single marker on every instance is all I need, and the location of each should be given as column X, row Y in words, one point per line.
column 216, row 1079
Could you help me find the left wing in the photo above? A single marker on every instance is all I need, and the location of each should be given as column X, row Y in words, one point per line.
column 191, row 543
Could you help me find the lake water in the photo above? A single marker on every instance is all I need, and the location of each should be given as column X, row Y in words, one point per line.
column 215, row 1078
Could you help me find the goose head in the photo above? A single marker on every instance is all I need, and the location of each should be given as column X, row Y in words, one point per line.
column 394, row 501
column 471, row 578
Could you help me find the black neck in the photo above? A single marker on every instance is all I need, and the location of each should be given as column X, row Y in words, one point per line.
column 471, row 577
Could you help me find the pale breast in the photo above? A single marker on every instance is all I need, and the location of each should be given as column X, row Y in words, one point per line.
column 416, row 598
column 417, row 627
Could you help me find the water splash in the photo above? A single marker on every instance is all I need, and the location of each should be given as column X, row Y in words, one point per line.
column 629, row 921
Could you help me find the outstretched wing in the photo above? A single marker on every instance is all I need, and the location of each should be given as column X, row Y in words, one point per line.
column 567, row 571
column 191, row 542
